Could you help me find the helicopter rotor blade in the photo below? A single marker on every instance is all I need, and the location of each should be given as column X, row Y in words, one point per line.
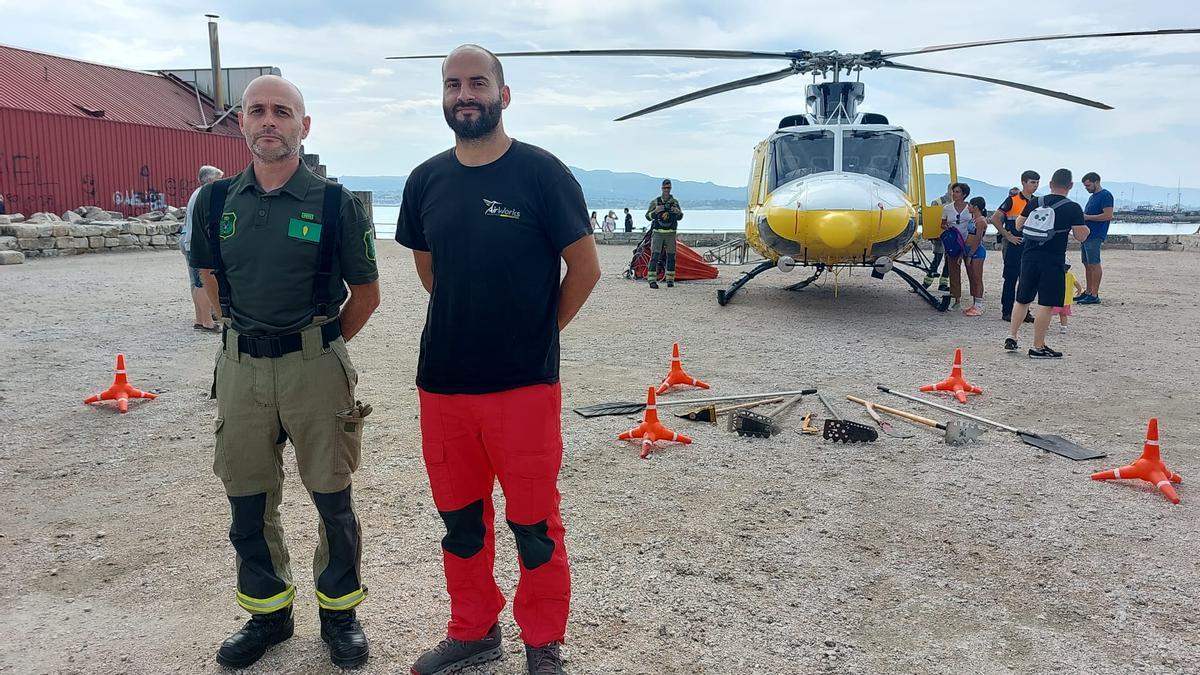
column 1005, row 83
column 718, row 89
column 1040, row 38
column 683, row 53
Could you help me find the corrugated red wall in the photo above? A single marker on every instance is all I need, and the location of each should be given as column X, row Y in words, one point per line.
column 55, row 162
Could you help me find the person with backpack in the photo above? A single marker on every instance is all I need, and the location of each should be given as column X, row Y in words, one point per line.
column 1043, row 226
column 975, row 254
column 664, row 215
column 1004, row 218
column 956, row 219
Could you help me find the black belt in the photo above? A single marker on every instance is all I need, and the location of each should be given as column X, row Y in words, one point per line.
column 274, row 346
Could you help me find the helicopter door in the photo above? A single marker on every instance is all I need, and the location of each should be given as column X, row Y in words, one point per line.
column 929, row 210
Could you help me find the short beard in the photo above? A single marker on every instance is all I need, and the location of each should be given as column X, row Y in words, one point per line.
column 284, row 151
column 476, row 129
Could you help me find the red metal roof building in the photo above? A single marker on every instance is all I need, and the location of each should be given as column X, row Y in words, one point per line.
column 74, row 133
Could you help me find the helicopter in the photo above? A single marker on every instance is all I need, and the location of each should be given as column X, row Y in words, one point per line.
column 834, row 187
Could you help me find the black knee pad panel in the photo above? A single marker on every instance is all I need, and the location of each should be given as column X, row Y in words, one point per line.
column 464, row 530
column 533, row 544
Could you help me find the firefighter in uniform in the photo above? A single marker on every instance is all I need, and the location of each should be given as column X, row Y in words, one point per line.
column 283, row 244
column 664, row 215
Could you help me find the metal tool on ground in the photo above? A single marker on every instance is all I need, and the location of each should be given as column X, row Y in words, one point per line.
column 710, row 412
column 845, row 431
column 630, row 408
column 806, row 426
column 757, row 425
column 1048, row 442
column 957, row 432
column 883, row 424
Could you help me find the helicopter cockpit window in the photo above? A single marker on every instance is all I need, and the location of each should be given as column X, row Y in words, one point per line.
column 799, row 155
column 879, row 154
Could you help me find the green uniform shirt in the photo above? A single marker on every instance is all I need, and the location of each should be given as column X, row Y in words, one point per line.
column 269, row 243
column 656, row 218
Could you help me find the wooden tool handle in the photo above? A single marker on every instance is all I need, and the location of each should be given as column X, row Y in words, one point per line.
column 742, row 406
column 899, row 413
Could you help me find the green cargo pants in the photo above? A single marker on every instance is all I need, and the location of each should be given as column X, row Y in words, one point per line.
column 308, row 397
column 662, row 247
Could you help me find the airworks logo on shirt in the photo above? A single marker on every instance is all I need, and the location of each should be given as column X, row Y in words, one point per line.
column 495, row 208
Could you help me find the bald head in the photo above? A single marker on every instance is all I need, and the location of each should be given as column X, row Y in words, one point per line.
column 276, row 87
column 473, row 52
column 273, row 119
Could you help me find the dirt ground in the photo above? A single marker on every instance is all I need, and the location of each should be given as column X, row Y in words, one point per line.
column 787, row 555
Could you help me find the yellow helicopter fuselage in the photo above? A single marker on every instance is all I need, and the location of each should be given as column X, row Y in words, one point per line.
column 839, row 194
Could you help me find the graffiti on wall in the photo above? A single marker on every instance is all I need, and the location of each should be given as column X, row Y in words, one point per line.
column 25, row 184
column 147, row 195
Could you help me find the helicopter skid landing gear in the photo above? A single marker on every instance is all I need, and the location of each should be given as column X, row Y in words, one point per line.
column 940, row 304
column 724, row 295
column 801, row 284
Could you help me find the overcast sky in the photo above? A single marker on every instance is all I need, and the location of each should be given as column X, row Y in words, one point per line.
column 378, row 117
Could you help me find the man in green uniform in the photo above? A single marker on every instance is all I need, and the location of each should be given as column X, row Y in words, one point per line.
column 283, row 244
column 664, row 215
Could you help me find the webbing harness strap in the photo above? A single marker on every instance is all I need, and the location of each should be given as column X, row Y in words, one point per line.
column 216, row 207
column 331, row 220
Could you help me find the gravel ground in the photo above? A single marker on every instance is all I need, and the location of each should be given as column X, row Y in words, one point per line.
column 787, row 555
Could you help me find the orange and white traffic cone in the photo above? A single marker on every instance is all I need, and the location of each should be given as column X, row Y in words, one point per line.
column 120, row 390
column 1148, row 467
column 956, row 384
column 677, row 376
column 651, row 430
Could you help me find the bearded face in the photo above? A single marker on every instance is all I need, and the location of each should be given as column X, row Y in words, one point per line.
column 472, row 120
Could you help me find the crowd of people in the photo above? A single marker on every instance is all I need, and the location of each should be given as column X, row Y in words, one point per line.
column 1033, row 233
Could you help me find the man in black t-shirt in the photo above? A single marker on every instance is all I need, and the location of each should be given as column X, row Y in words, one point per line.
column 628, row 220
column 1043, row 275
column 1004, row 219
column 489, row 223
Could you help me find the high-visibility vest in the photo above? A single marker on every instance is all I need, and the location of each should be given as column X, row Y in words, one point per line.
column 1018, row 206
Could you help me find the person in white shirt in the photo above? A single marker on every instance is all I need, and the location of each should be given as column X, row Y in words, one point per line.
column 956, row 219
column 203, row 306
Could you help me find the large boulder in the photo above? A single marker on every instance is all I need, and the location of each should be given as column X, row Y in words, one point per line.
column 72, row 217
column 41, row 217
column 175, row 212
column 152, row 216
column 8, row 243
column 11, row 257
column 23, row 231
column 95, row 213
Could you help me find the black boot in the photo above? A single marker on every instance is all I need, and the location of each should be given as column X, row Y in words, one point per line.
column 544, row 660
column 451, row 656
column 345, row 637
column 259, row 634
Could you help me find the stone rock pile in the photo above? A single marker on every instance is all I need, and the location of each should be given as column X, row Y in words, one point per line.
column 87, row 229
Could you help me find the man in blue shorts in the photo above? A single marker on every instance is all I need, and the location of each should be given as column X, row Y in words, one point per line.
column 1098, row 213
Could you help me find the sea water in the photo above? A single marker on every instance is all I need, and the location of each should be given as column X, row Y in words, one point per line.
column 696, row 220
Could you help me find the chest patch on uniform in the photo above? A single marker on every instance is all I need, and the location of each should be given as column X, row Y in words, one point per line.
column 304, row 230
column 228, row 224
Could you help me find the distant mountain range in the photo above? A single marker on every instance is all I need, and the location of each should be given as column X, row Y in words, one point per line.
column 611, row 189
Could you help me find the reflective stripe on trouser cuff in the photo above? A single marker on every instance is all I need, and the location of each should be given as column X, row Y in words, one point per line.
column 347, row 601
column 267, row 605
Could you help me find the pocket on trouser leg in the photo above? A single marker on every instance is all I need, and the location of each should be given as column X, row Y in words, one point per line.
column 220, row 464
column 347, row 437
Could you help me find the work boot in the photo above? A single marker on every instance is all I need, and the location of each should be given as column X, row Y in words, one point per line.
column 653, row 284
column 544, row 660
column 259, row 634
column 929, row 279
column 944, row 284
column 670, row 284
column 347, row 642
column 451, row 655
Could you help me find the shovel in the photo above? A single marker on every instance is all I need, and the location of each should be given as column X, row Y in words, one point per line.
column 621, row 408
column 710, row 412
column 957, row 433
column 845, row 431
column 1048, row 442
column 756, row 425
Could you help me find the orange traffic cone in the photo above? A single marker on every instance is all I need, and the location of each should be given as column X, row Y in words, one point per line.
column 651, row 430
column 1148, row 467
column 120, row 390
column 677, row 376
column 956, row 383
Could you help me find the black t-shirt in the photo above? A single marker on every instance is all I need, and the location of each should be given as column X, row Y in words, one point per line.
column 1065, row 217
column 496, row 233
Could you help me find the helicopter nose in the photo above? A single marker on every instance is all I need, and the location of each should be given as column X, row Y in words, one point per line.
column 839, row 229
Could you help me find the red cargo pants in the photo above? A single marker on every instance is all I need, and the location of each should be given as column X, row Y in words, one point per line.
column 469, row 441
